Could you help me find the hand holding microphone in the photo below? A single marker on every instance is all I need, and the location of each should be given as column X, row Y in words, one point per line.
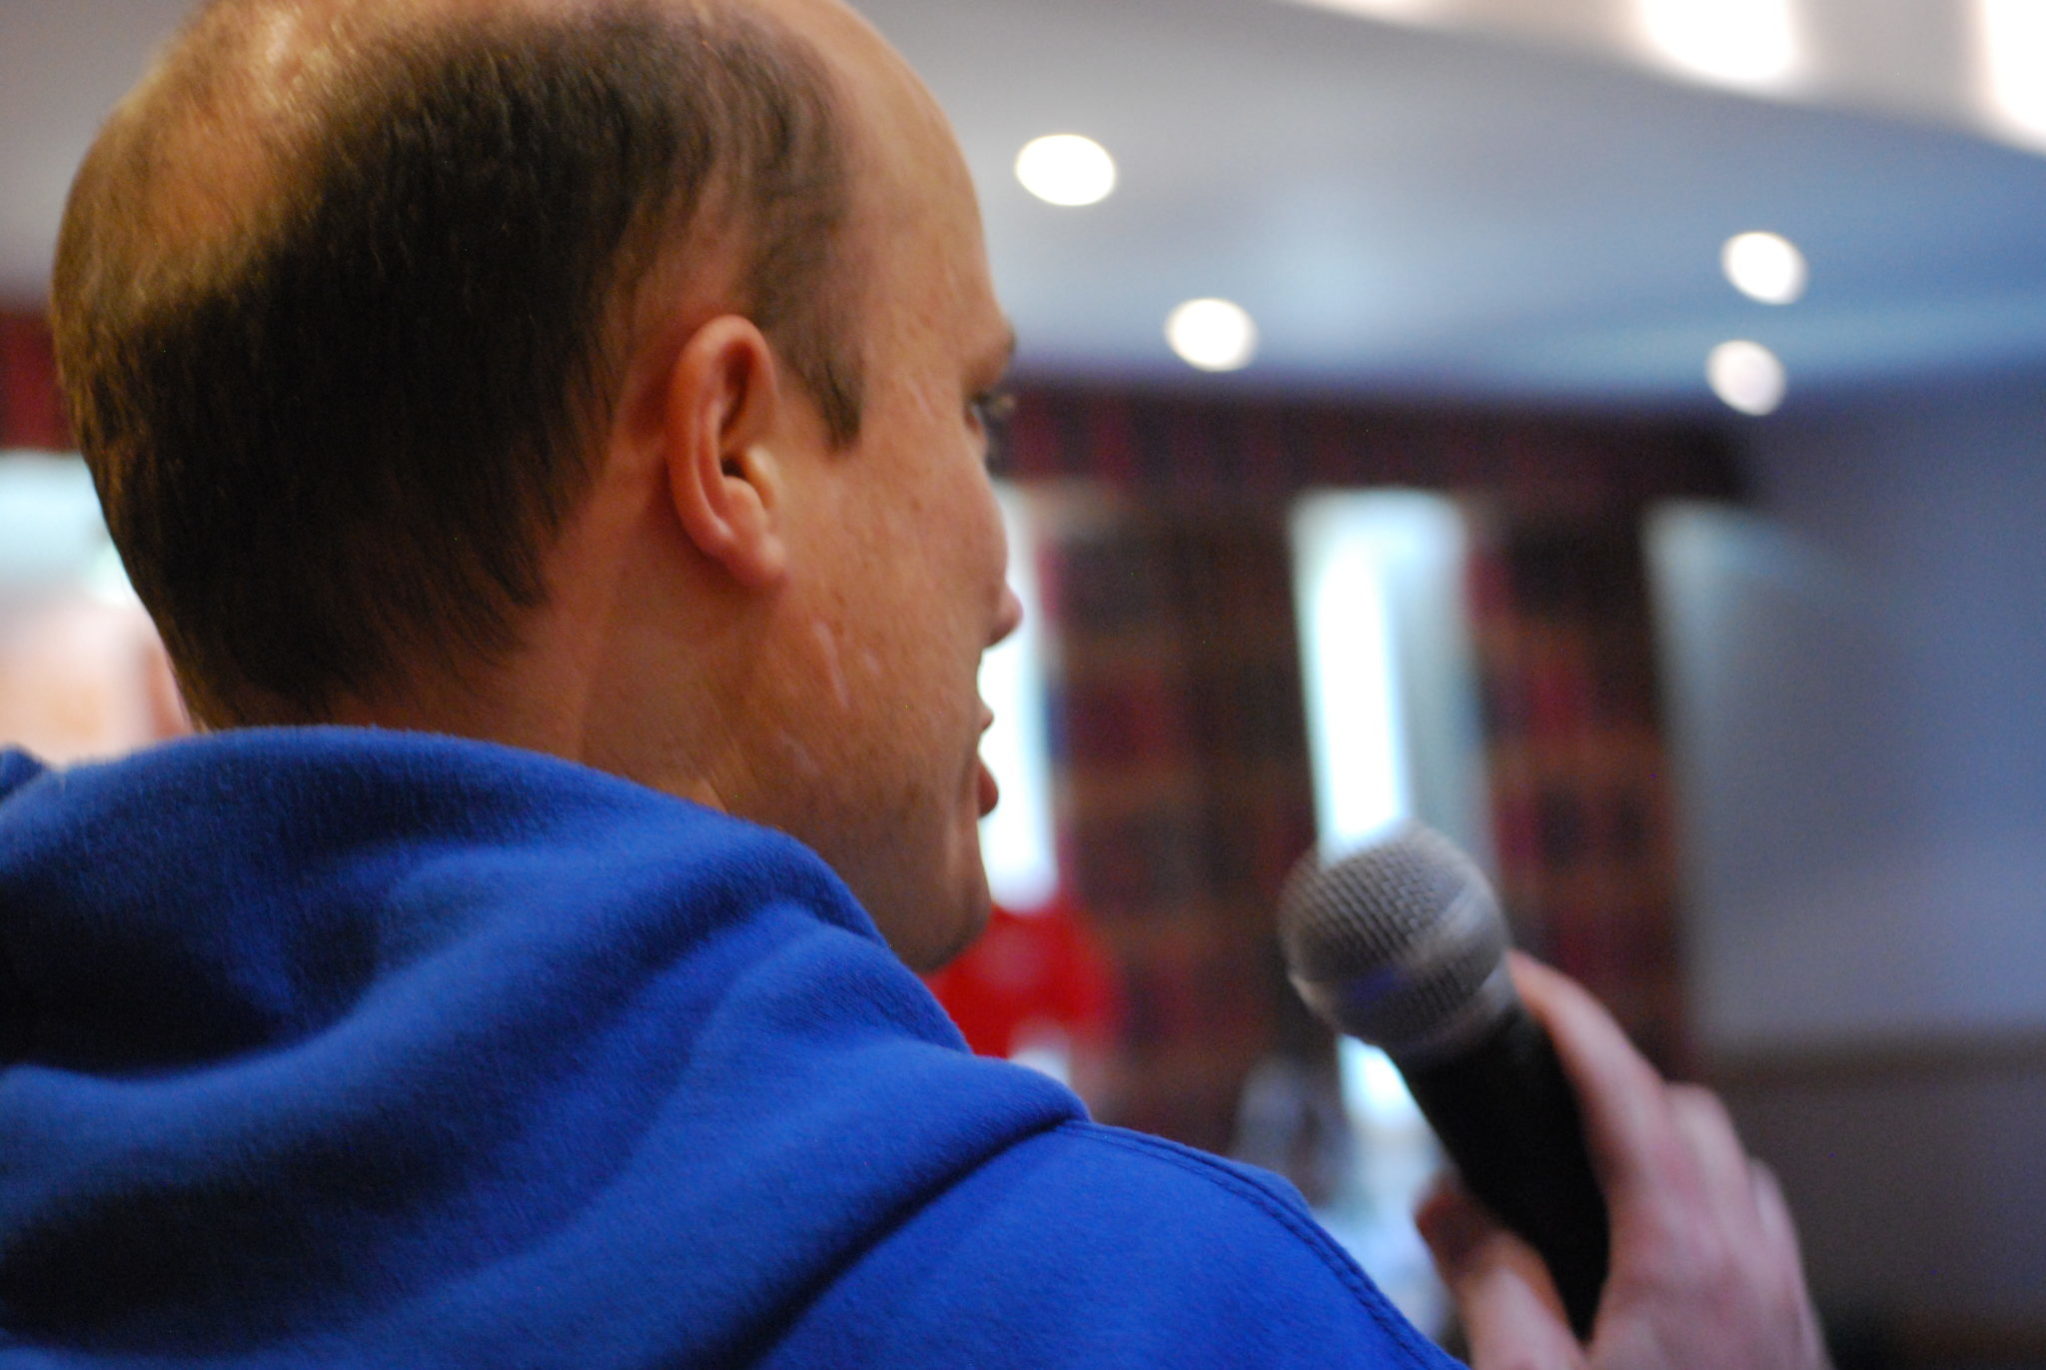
column 1681, row 1256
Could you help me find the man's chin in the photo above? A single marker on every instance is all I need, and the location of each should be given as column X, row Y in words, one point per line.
column 970, row 932
column 930, row 946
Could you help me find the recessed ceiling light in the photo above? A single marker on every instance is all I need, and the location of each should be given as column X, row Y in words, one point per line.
column 1213, row 335
column 2011, row 46
column 1765, row 266
column 1747, row 376
column 1736, row 42
column 1066, row 169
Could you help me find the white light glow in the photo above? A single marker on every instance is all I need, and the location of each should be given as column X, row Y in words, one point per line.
column 51, row 532
column 108, row 581
column 1016, row 839
column 1213, row 335
column 1352, row 690
column 1370, row 1075
column 1766, row 267
column 1747, row 376
column 1393, row 719
column 1066, row 169
column 2011, row 46
column 1752, row 43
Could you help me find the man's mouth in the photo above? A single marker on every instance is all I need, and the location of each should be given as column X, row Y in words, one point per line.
column 990, row 793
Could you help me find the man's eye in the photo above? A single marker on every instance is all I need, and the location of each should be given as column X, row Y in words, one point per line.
column 992, row 410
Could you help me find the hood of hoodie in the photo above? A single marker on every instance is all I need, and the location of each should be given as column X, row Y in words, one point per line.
column 368, row 1044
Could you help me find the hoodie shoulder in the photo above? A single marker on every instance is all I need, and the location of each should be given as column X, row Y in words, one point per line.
column 1091, row 1246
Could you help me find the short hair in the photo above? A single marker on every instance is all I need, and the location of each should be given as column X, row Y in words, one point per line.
column 335, row 425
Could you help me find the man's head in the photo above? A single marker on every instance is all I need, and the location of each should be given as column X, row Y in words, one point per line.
column 345, row 286
column 600, row 376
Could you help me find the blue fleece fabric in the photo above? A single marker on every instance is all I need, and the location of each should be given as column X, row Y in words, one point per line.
column 344, row 1048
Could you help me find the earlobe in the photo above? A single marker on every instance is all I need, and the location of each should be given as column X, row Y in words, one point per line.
column 723, row 479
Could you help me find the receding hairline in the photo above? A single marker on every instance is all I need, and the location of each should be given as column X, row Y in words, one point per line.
column 235, row 97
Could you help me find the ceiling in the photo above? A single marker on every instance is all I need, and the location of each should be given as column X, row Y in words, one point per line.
column 1407, row 213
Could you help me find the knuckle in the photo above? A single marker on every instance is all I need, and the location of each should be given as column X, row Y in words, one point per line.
column 1701, row 1103
column 1684, row 1245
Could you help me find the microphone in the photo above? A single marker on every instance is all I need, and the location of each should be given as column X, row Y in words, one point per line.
column 1402, row 945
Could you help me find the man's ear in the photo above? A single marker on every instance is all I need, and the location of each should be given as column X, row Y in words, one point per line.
column 721, row 417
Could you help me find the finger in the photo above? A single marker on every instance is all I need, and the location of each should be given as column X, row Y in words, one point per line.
column 1772, row 1211
column 1509, row 1306
column 1779, row 1233
column 1629, row 1128
column 1723, row 1164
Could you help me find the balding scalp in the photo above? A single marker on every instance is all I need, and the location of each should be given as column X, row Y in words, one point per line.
column 341, row 297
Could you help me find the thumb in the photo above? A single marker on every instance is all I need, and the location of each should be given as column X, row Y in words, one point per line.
column 1509, row 1306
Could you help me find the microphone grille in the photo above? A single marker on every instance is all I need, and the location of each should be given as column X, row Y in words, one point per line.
column 1397, row 944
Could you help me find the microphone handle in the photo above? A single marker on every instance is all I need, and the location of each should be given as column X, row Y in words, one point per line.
column 1508, row 1119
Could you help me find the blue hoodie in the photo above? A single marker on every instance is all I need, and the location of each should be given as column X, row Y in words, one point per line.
column 330, row 1047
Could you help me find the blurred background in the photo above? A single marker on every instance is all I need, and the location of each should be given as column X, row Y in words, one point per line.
column 1613, row 431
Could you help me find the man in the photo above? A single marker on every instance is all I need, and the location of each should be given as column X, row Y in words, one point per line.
column 550, row 436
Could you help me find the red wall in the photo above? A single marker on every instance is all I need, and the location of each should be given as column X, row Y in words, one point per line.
column 31, row 413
